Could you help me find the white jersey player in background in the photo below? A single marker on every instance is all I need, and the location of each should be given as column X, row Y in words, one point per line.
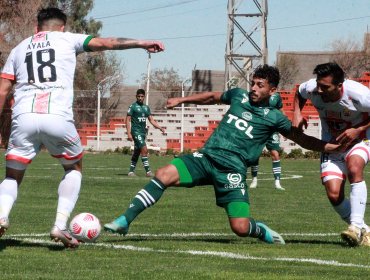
column 343, row 107
column 42, row 69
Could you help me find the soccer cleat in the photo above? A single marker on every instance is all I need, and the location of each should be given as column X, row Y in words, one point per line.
column 278, row 186
column 352, row 236
column 271, row 237
column 365, row 238
column 149, row 174
column 131, row 174
column 4, row 225
column 253, row 184
column 119, row 226
column 63, row 236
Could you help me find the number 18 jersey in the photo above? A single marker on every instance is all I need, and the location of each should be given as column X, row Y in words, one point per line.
column 43, row 68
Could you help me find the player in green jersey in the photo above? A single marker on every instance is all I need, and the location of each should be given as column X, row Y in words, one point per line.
column 137, row 114
column 273, row 146
column 234, row 145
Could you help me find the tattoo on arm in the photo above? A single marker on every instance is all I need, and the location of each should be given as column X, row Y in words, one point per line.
column 123, row 43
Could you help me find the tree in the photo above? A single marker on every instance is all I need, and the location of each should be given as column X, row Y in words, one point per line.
column 92, row 69
column 18, row 21
column 167, row 81
column 351, row 57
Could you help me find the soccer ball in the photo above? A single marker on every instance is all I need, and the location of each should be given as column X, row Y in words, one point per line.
column 85, row 227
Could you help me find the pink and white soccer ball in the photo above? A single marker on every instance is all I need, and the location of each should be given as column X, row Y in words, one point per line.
column 85, row 227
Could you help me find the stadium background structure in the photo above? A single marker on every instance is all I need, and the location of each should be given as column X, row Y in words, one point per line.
column 199, row 123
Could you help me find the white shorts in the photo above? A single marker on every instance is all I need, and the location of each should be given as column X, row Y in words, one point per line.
column 333, row 166
column 30, row 131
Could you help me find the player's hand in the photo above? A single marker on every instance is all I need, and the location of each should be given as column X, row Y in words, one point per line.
column 162, row 130
column 348, row 136
column 129, row 137
column 153, row 46
column 334, row 148
column 172, row 102
column 300, row 122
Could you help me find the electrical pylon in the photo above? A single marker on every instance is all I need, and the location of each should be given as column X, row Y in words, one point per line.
column 244, row 52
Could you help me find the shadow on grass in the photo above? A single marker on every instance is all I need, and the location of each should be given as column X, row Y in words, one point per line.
column 232, row 240
column 317, row 242
column 120, row 239
column 4, row 243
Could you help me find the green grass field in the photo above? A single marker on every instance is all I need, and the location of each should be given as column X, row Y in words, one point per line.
column 185, row 235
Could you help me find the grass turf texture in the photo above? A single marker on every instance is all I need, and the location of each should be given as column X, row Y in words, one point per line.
column 185, row 235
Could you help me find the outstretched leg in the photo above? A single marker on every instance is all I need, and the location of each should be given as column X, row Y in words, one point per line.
column 243, row 225
column 145, row 198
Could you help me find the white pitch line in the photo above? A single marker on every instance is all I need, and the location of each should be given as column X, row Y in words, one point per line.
column 179, row 234
column 221, row 254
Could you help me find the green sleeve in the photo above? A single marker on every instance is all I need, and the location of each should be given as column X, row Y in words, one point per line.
column 86, row 43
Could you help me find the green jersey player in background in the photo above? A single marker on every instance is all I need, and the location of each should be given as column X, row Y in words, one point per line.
column 137, row 114
column 234, row 145
column 273, row 146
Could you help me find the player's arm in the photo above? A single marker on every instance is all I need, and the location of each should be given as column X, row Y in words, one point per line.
column 128, row 127
column 6, row 86
column 362, row 95
column 309, row 142
column 102, row 44
column 353, row 133
column 155, row 124
column 204, row 98
column 299, row 102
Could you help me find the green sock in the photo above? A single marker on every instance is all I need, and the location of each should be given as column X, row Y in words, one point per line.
column 255, row 230
column 134, row 159
column 254, row 171
column 132, row 166
column 146, row 164
column 145, row 198
column 276, row 169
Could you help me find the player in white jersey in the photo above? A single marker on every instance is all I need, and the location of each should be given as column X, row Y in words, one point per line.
column 344, row 107
column 42, row 69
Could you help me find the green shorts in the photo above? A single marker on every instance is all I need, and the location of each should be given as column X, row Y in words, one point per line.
column 139, row 140
column 198, row 170
column 273, row 143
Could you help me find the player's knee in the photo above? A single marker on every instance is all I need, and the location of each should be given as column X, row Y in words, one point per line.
column 335, row 198
column 240, row 228
column 355, row 166
column 355, row 173
column 168, row 175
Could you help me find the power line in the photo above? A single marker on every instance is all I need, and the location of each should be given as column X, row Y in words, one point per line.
column 270, row 29
column 318, row 23
column 149, row 9
column 163, row 16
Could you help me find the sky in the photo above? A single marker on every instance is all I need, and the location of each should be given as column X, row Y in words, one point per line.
column 195, row 31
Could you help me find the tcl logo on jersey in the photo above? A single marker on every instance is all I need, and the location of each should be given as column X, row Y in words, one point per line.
column 240, row 124
column 143, row 119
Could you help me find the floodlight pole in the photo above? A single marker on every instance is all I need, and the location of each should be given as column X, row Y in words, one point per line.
column 98, row 109
column 182, row 116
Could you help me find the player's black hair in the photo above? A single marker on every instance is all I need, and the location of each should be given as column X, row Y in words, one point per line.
column 50, row 13
column 330, row 69
column 270, row 73
column 140, row 91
